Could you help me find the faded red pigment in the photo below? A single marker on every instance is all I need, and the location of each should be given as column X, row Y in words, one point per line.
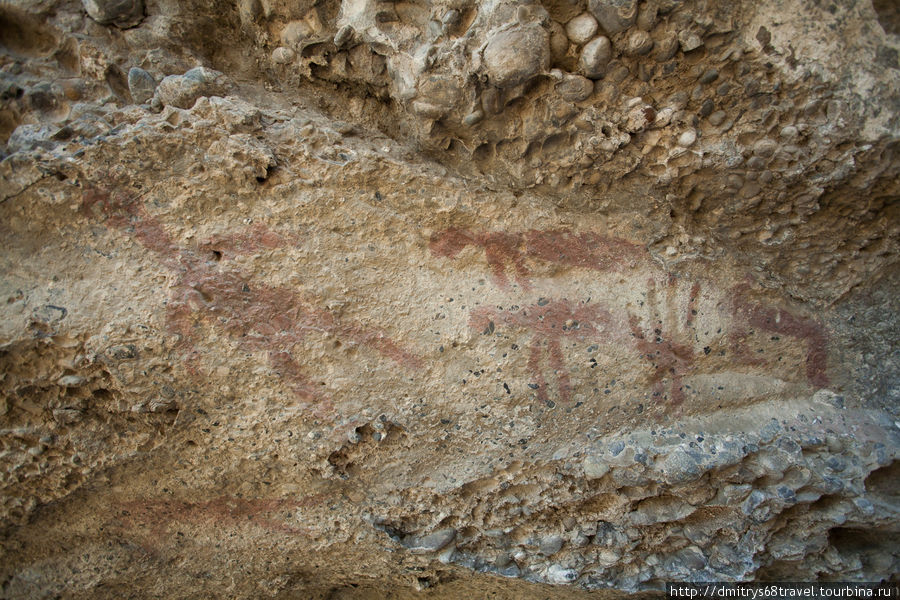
column 671, row 353
column 781, row 322
column 549, row 325
column 256, row 238
column 505, row 250
column 225, row 511
column 258, row 317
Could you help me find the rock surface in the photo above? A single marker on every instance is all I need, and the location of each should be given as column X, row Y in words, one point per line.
column 366, row 299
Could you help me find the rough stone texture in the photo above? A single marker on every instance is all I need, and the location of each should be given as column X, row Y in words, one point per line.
column 121, row 13
column 369, row 299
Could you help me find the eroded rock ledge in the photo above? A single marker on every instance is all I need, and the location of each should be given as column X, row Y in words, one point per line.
column 348, row 299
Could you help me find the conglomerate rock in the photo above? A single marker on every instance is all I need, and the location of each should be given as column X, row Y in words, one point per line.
column 446, row 299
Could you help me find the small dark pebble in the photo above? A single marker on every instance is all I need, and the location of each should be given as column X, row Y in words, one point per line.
column 709, row 76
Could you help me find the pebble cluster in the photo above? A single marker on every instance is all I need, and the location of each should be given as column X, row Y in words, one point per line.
column 680, row 502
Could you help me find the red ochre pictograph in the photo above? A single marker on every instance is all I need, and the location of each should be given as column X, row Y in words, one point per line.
column 549, row 324
column 158, row 515
column 258, row 317
column 665, row 338
column 510, row 250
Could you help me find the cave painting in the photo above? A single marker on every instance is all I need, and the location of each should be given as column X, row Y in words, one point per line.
column 258, row 317
column 781, row 322
column 509, row 250
column 550, row 322
column 158, row 515
column 663, row 333
column 666, row 341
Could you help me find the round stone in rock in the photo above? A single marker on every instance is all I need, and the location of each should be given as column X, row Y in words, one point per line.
column 687, row 138
column 141, row 85
column 582, row 28
column 551, row 545
column 689, row 40
column 614, row 16
column 283, row 56
column 560, row 574
column 121, row 13
column 666, row 48
column 178, row 91
column 295, row 32
column 431, row 542
column 595, row 57
column 513, row 57
column 639, row 43
column 206, row 76
column 559, row 42
column 575, row 88
column 717, row 118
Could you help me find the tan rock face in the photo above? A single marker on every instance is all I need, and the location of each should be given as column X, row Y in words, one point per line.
column 349, row 299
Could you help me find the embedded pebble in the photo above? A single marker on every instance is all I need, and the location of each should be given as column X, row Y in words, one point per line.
column 343, row 36
column 666, row 48
column 595, row 57
column 492, row 101
column 513, row 57
column 121, row 13
column 427, row 109
column 678, row 100
column 647, row 16
column 71, row 380
column 663, row 117
column 687, row 139
column 639, row 43
column 617, row 73
column 141, row 85
column 431, row 542
column 765, row 148
column 560, row 574
column 295, row 32
column 182, row 91
column 639, row 118
column 717, row 118
column 709, row 76
column 551, row 545
column 689, row 40
column 680, row 467
column 614, row 16
column 582, row 28
column 559, row 42
column 473, row 117
column 451, row 18
column 283, row 56
column 594, row 467
column 789, row 132
column 206, row 76
column 575, row 88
